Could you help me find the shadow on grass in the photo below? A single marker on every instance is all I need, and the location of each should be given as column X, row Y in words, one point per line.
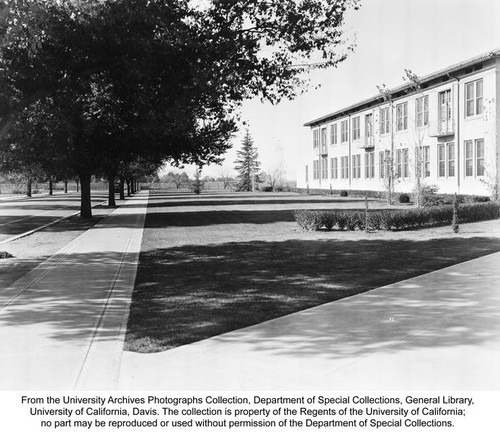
column 216, row 217
column 189, row 293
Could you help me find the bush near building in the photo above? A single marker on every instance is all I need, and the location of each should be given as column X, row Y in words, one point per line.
column 394, row 220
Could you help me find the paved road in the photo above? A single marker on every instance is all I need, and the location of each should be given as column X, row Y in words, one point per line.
column 19, row 215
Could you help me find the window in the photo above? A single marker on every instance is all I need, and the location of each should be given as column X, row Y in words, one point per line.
column 356, row 130
column 406, row 165
column 388, row 163
column 445, row 123
column 344, row 163
column 333, row 134
column 323, row 136
column 399, row 163
column 384, row 120
column 469, row 158
column 356, row 166
column 422, row 111
column 307, row 174
column 450, row 151
column 315, row 169
column 381, row 164
column 479, row 157
column 423, row 162
column 324, row 168
column 323, row 149
column 402, row 116
column 369, row 126
column 446, row 160
column 344, row 131
column 334, row 168
column 370, row 165
column 474, row 157
column 441, row 161
column 474, row 98
column 316, row 138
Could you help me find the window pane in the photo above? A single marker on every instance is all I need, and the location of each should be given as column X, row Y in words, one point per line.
column 479, row 157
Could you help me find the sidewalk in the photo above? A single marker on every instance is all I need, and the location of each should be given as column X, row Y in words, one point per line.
column 439, row 331
column 62, row 325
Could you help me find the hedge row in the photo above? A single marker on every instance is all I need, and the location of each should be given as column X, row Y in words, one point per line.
column 394, row 220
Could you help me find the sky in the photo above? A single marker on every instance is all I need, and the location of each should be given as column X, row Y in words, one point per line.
column 390, row 36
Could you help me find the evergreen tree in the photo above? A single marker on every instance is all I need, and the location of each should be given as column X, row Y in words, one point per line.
column 247, row 164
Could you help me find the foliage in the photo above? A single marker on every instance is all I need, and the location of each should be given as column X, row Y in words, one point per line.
column 5, row 254
column 179, row 179
column 491, row 181
column 344, row 193
column 455, row 219
column 394, row 220
column 197, row 184
column 404, row 198
column 155, row 79
column 479, row 198
column 247, row 164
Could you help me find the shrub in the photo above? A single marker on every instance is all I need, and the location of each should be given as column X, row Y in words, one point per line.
column 267, row 189
column 455, row 219
column 5, row 254
column 404, row 198
column 309, row 220
column 395, row 220
column 344, row 193
column 477, row 198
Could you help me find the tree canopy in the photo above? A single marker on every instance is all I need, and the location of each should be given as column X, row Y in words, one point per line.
column 154, row 80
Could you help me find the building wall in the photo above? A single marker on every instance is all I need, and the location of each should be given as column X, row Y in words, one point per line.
column 457, row 172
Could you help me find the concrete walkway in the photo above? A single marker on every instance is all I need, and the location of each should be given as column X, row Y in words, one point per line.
column 62, row 325
column 439, row 331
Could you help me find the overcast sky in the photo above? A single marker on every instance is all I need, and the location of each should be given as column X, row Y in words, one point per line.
column 391, row 35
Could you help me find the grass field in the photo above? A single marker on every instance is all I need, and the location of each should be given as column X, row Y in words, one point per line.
column 215, row 263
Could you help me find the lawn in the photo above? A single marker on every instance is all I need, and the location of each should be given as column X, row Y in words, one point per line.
column 215, row 263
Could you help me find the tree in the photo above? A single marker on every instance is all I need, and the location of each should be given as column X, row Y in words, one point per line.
column 156, row 79
column 390, row 174
column 179, row 179
column 197, row 184
column 419, row 134
column 225, row 177
column 247, row 164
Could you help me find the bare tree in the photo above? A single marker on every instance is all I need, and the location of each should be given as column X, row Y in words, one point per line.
column 390, row 173
column 225, row 177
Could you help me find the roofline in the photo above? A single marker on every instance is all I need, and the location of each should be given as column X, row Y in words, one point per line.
column 401, row 88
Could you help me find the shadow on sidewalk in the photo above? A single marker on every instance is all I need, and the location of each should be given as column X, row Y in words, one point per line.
column 185, row 294
column 66, row 295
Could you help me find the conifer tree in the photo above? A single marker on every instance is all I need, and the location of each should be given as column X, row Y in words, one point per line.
column 247, row 164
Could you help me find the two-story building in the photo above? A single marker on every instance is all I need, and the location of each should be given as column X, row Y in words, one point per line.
column 438, row 130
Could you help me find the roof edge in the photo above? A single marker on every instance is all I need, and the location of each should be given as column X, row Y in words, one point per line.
column 424, row 79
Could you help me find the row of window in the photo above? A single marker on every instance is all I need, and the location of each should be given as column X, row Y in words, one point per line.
column 473, row 107
column 473, row 163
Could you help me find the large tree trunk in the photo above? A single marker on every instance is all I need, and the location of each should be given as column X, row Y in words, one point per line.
column 86, row 198
column 28, row 187
column 77, row 185
column 65, row 186
column 128, row 187
column 111, row 188
column 122, row 188
column 51, row 187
